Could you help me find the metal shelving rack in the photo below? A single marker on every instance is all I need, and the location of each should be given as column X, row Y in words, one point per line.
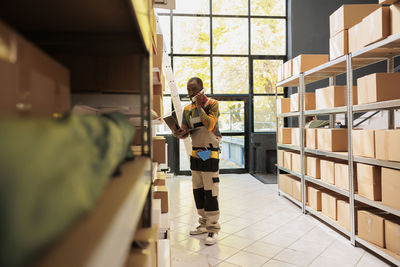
column 386, row 49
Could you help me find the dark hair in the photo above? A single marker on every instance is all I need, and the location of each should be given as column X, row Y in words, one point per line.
column 198, row 80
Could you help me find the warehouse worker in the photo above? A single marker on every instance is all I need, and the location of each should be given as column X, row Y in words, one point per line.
column 200, row 121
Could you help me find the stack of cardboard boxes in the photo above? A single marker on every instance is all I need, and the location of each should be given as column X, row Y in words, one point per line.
column 290, row 185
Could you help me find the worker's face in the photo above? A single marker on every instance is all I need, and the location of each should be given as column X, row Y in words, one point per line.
column 193, row 89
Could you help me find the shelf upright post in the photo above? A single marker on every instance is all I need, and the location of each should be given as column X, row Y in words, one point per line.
column 391, row 118
column 332, row 117
column 349, row 76
column 301, row 90
column 276, row 137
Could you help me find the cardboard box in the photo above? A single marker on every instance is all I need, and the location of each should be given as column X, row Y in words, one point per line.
column 287, row 160
column 303, row 63
column 391, row 188
column 159, row 149
column 32, row 83
column 160, row 180
column 334, row 140
column 161, row 192
column 313, row 167
column 296, row 162
column 314, row 198
column 287, row 69
column 369, row 181
column 137, row 140
column 364, row 143
column 343, row 214
column 378, row 87
column 280, row 73
column 329, row 205
column 387, row 144
column 377, row 25
column 284, row 135
column 339, row 45
column 296, row 136
column 349, row 15
column 157, row 89
column 158, row 106
column 285, row 183
column 327, row 171
column 387, row 2
column 157, row 58
column 395, row 18
column 309, row 102
column 357, row 38
column 333, row 96
column 342, row 176
column 371, row 227
column 311, row 138
column 280, row 157
column 283, row 105
column 392, row 236
column 296, row 189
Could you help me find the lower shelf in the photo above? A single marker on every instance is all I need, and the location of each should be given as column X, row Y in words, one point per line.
column 377, row 204
column 290, row 172
column 387, row 254
column 295, row 201
column 328, row 220
column 327, row 186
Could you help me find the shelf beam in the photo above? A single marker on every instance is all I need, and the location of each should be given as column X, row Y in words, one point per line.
column 336, row 155
column 390, row 256
column 327, row 220
column 295, row 201
column 377, row 162
column 326, row 185
column 290, row 172
column 377, row 204
column 288, row 146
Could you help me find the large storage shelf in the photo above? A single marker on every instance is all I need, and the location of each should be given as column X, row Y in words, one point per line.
column 290, row 172
column 377, row 162
column 290, row 147
column 332, row 68
column 295, row 201
column 109, row 26
column 335, row 155
column 328, row 220
column 103, row 237
column 392, row 257
column 325, row 111
column 381, row 50
column 391, row 104
column 290, row 114
column 377, row 204
column 327, row 186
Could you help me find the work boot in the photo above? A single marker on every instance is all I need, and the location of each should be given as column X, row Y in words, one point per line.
column 199, row 230
column 211, row 239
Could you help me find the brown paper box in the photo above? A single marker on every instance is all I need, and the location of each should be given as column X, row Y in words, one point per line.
column 287, row 69
column 371, row 227
column 334, row 140
column 159, row 149
column 158, row 105
column 357, row 38
column 377, row 25
column 309, row 102
column 160, row 180
column 314, row 198
column 296, row 136
column 349, row 15
column 395, row 18
column 327, row 171
column 313, row 167
column 343, row 214
column 378, row 87
column 329, row 207
column 280, row 157
column 157, row 59
column 296, row 191
column 285, row 184
column 287, row 160
column 364, row 143
column 333, row 96
column 296, row 162
column 311, row 138
column 342, row 176
column 391, row 188
column 283, row 105
column 392, row 236
column 339, row 45
column 369, row 181
column 303, row 63
column 387, row 144
column 284, row 135
column 280, row 73
column 161, row 192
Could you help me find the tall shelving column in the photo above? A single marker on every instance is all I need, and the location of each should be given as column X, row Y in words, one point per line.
column 301, row 121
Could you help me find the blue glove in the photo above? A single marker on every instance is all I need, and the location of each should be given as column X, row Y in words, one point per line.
column 204, row 155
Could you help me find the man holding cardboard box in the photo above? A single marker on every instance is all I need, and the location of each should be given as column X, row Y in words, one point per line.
column 200, row 121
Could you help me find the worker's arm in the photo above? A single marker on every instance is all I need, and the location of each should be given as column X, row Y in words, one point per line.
column 183, row 131
column 209, row 120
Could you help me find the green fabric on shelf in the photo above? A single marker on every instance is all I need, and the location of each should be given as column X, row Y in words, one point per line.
column 51, row 173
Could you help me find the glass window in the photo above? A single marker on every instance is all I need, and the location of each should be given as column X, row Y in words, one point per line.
column 165, row 24
column 231, row 117
column 265, row 76
column 230, row 36
column 268, row 36
column 187, row 67
column 231, row 75
column 268, row 7
column 192, row 7
column 230, row 7
column 232, row 152
column 191, row 35
column 265, row 113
